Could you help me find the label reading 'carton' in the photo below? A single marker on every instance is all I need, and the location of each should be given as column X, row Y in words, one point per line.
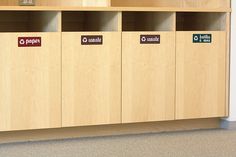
column 29, row 42
column 91, row 40
column 202, row 38
column 150, row 39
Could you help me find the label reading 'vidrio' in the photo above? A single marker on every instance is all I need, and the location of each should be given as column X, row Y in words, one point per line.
column 202, row 38
column 29, row 42
column 150, row 39
column 26, row 2
column 91, row 40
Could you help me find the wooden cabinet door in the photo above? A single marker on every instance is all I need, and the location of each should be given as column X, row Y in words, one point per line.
column 148, row 78
column 201, row 76
column 30, row 82
column 91, row 80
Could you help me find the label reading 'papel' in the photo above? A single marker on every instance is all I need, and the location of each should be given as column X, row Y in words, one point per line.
column 29, row 42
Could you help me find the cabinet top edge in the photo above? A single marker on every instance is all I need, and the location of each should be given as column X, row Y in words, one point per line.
column 149, row 9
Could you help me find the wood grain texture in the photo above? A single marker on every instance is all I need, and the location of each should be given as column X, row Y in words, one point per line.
column 60, row 2
column 91, row 80
column 227, row 72
column 30, row 83
column 211, row 4
column 89, row 8
column 172, row 3
column 148, row 78
column 201, row 69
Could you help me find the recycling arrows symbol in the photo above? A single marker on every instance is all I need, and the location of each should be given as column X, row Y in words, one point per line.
column 143, row 39
column 85, row 40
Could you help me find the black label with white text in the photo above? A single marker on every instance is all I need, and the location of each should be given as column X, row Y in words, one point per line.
column 150, row 39
column 91, row 40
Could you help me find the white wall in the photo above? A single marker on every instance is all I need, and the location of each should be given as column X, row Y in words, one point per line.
column 233, row 64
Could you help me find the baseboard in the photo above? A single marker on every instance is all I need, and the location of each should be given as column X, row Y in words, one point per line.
column 108, row 130
column 230, row 125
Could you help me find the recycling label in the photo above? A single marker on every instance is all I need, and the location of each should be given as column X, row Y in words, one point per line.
column 202, row 38
column 91, row 40
column 150, row 39
column 29, row 41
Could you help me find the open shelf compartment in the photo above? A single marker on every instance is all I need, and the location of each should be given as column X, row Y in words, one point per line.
column 200, row 21
column 148, row 21
column 29, row 21
column 89, row 21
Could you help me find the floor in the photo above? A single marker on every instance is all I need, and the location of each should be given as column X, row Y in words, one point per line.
column 205, row 143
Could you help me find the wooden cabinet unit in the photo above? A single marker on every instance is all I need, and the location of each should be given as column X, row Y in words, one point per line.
column 30, row 81
column 201, row 66
column 148, row 78
column 148, row 67
column 90, row 63
column 201, row 80
column 30, row 74
column 91, row 80
column 91, row 71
